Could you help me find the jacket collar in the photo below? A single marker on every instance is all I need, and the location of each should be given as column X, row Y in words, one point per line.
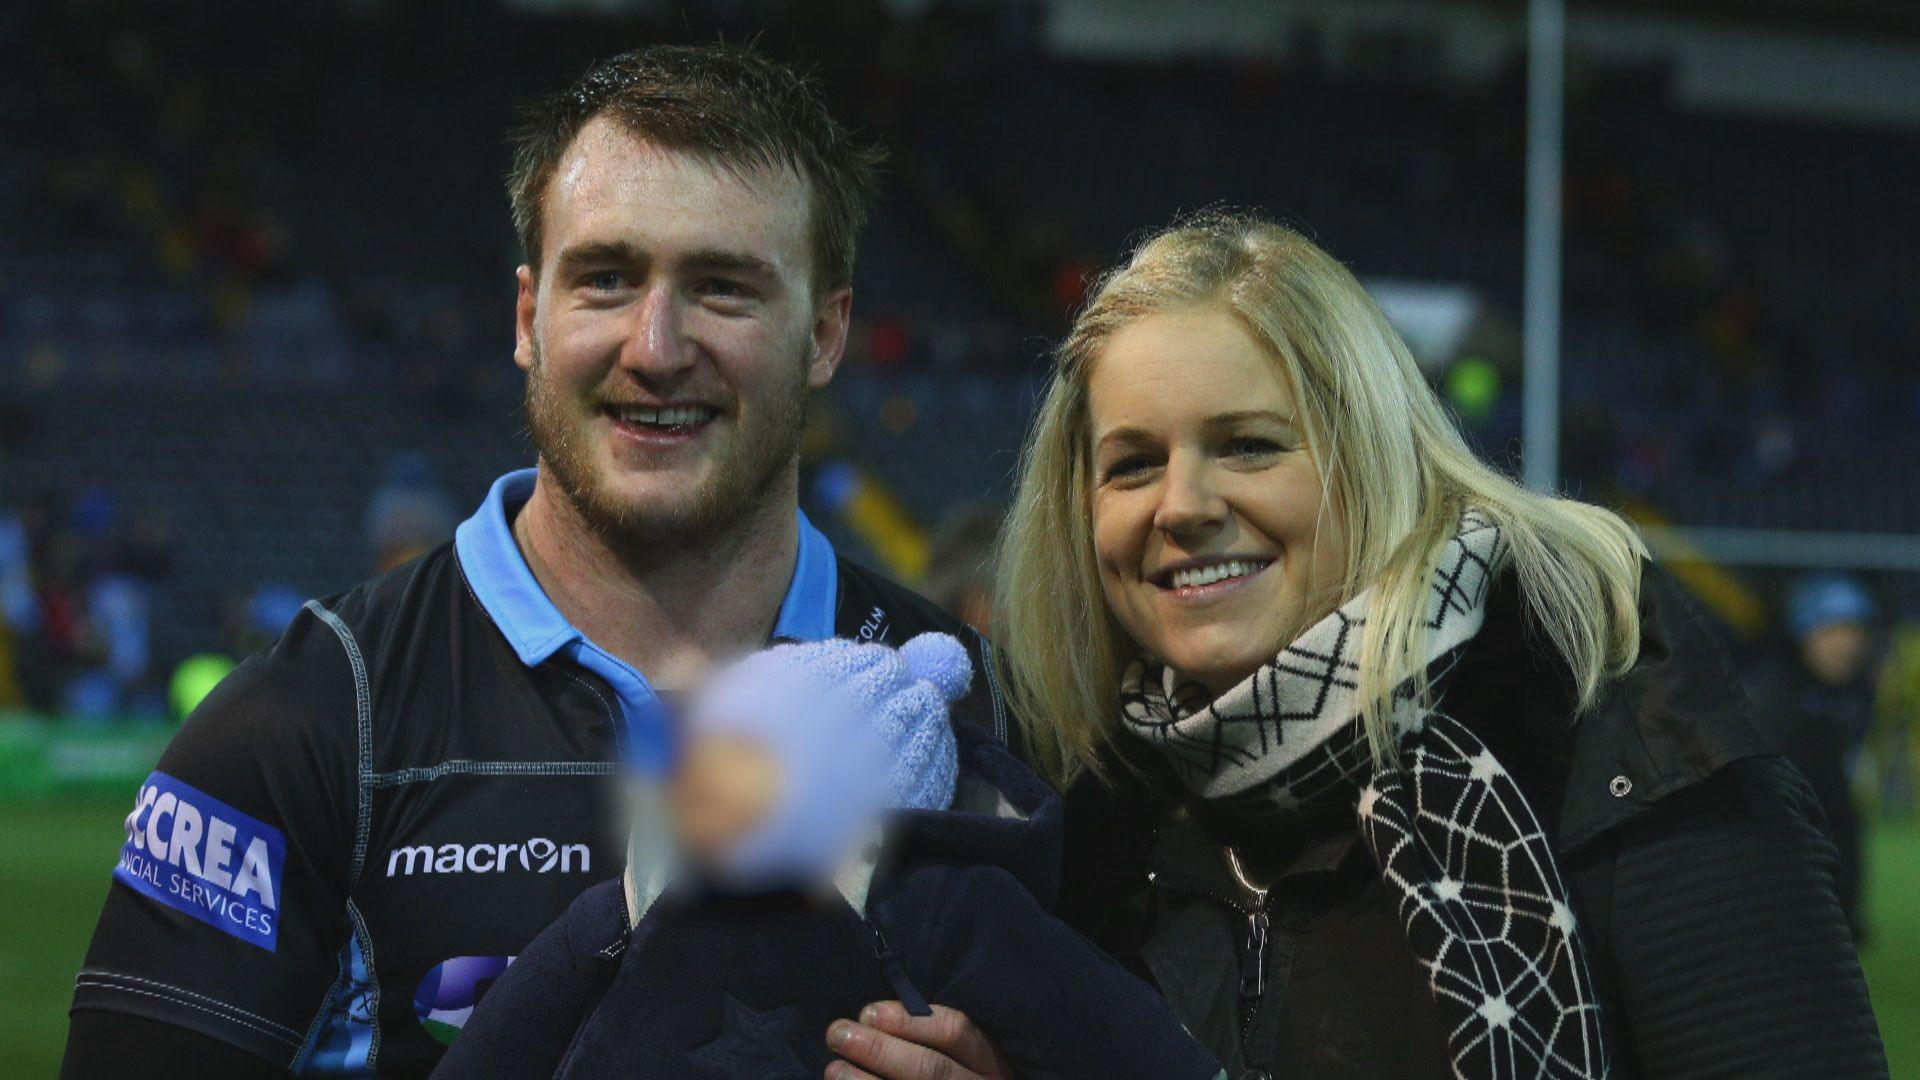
column 1002, row 815
column 1673, row 720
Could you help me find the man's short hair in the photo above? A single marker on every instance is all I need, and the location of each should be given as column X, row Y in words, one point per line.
column 725, row 103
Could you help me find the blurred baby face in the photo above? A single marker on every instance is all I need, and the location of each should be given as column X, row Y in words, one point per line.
column 725, row 787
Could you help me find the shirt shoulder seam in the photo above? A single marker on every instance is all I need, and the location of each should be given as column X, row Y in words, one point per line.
column 363, row 726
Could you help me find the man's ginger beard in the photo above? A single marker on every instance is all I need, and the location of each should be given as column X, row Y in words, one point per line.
column 747, row 473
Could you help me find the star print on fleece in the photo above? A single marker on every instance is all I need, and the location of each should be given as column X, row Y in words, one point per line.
column 751, row 1043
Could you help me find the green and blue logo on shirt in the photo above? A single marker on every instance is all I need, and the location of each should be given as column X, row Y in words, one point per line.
column 194, row 853
column 449, row 992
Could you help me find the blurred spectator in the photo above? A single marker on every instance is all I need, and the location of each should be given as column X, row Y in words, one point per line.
column 960, row 565
column 96, row 600
column 269, row 612
column 19, row 607
column 256, row 619
column 409, row 514
column 1894, row 741
column 1819, row 705
column 118, row 608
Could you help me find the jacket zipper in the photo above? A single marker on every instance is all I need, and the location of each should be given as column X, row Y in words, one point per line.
column 1254, row 939
column 910, row 997
column 1253, row 946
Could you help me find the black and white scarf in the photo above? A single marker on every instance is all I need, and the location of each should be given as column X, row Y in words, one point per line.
column 1480, row 896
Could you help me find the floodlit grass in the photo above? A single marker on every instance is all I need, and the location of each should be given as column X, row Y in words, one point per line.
column 1892, row 955
column 55, row 862
column 56, row 858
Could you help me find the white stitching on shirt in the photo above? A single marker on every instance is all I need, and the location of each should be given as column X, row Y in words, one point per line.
column 98, row 974
column 363, row 710
column 989, row 663
column 463, row 767
column 270, row 1033
column 373, row 984
column 592, row 689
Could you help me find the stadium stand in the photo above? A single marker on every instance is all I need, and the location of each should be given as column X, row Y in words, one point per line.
column 260, row 259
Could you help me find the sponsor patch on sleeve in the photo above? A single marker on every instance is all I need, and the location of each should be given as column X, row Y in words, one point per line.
column 192, row 852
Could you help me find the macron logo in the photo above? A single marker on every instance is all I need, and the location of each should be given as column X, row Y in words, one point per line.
column 536, row 856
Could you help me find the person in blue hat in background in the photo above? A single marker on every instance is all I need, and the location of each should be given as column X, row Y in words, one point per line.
column 833, row 839
column 1819, row 706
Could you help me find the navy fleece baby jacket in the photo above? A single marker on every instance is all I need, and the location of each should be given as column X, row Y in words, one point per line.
column 746, row 986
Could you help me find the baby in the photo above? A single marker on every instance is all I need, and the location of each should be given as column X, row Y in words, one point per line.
column 829, row 839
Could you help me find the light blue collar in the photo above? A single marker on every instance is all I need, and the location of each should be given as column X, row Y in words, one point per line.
column 513, row 598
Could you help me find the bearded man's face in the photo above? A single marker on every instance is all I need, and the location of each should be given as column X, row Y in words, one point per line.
column 671, row 336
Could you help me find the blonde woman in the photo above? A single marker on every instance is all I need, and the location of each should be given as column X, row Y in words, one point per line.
column 1379, row 764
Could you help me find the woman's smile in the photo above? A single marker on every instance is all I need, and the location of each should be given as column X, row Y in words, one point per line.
column 1205, row 580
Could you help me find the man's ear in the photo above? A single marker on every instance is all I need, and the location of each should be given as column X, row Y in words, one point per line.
column 829, row 336
column 523, row 311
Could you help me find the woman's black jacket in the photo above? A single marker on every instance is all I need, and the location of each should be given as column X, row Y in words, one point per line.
column 1698, row 860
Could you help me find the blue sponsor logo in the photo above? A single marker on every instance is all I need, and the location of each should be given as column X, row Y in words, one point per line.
column 194, row 853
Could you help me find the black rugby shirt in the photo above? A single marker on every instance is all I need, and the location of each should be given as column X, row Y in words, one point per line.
column 361, row 826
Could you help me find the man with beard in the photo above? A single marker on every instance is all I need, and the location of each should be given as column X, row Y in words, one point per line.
column 359, row 829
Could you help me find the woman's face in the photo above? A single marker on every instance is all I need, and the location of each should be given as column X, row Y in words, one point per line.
column 1206, row 502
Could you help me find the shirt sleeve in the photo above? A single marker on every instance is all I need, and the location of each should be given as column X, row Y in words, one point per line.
column 100, row 1044
column 228, row 913
column 1049, row 1000
column 1725, row 943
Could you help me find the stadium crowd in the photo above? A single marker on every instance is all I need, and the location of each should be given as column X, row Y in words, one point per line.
column 207, row 228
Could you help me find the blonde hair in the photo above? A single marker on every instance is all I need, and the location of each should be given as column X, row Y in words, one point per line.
column 1391, row 462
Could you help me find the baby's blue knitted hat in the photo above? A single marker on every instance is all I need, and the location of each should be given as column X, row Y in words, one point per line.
column 858, row 727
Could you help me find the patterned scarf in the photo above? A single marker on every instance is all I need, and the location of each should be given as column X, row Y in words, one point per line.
column 1480, row 896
